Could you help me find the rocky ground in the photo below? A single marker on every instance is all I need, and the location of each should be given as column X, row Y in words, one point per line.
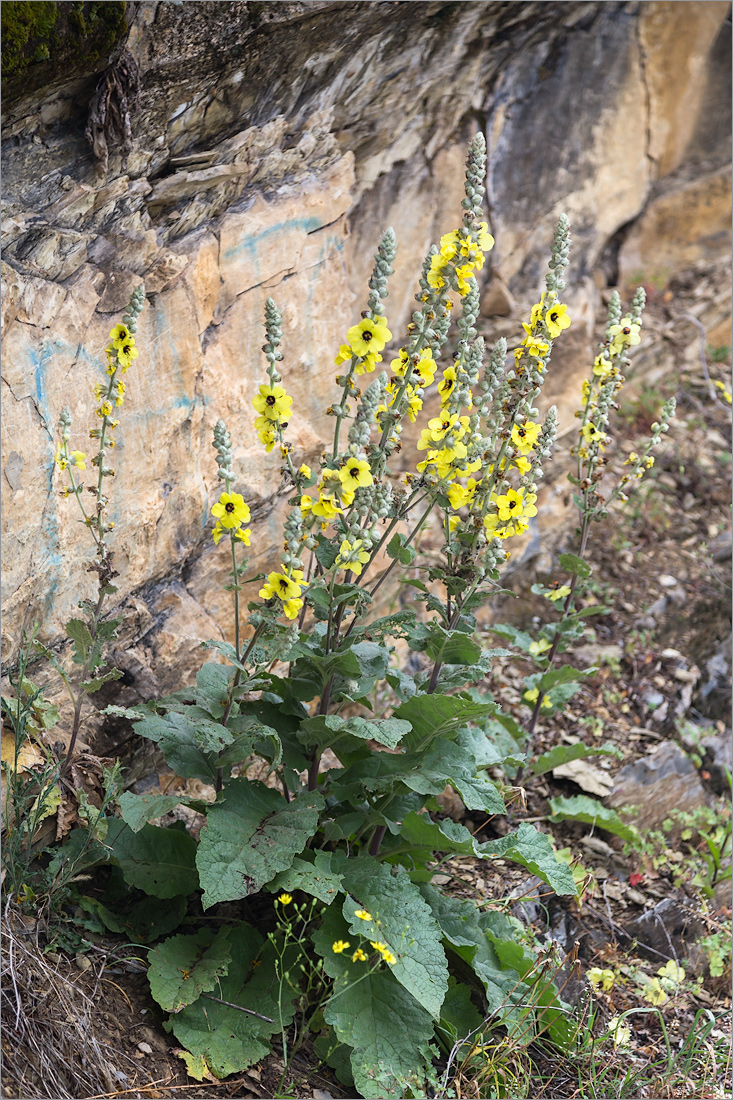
column 660, row 695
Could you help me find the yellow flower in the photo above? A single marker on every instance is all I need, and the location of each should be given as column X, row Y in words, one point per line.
column 291, row 608
column 414, row 404
column 445, row 388
column 344, row 353
column 721, row 386
column 339, row 946
column 105, row 409
column 363, row 914
column 603, row 978
column 367, row 363
column 120, row 335
column 515, row 505
column 525, row 436
column 620, row 1031
column 385, row 952
column 671, row 975
column 370, row 335
column 126, row 352
column 654, row 993
column 217, row 533
column 556, row 319
column 305, row 471
column 120, row 397
column 272, row 402
column 592, row 434
column 535, row 347
column 231, row 511
column 358, row 956
column 558, row 593
column 533, row 694
column 285, row 899
column 280, row 585
column 325, row 507
column 537, row 648
column 459, row 495
column 602, row 367
column 624, row 334
column 485, row 240
column 243, row 535
column 355, row 474
column 352, row 556
column 522, row 464
column 266, row 432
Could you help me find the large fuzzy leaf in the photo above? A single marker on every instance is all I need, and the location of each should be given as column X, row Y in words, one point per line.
column 250, row 834
column 534, row 851
column 592, row 812
column 434, row 716
column 373, row 1014
column 227, row 1039
column 184, row 967
column 445, row 762
column 158, row 861
column 403, row 921
column 311, row 873
column 564, row 754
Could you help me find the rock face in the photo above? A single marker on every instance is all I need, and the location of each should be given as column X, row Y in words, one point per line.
column 273, row 144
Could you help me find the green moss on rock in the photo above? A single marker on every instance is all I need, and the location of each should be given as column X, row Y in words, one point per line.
column 42, row 41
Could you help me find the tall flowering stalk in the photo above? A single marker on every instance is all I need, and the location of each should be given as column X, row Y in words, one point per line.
column 90, row 637
column 598, row 398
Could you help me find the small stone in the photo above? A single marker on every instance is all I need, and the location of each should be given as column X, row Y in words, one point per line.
column 667, row 580
column 145, row 1048
column 82, row 962
column 663, row 781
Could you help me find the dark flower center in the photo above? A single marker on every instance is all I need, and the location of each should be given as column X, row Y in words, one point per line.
column 284, row 584
column 626, row 330
column 553, row 316
column 366, row 336
column 270, row 400
column 354, row 471
column 229, row 507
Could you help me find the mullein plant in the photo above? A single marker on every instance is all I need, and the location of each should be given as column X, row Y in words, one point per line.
column 315, row 668
column 92, row 634
column 548, row 689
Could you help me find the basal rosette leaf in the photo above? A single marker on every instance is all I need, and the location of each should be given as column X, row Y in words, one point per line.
column 534, row 851
column 403, row 921
column 184, row 967
column 434, row 716
column 250, row 834
column 387, row 1031
column 228, row 1039
column 158, row 861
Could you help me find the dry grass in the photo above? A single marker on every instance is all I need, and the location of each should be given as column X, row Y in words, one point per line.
column 50, row 1050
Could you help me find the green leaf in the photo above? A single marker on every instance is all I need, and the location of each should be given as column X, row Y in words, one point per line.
column 311, row 873
column 563, row 754
column 385, row 731
column 158, row 861
column 212, row 688
column 179, row 743
column 534, row 851
column 138, row 809
column 564, row 675
column 445, row 762
column 90, row 686
column 78, row 631
column 184, row 967
column 142, row 921
column 228, row 1039
column 326, row 552
column 373, row 1014
column 458, row 1015
column 434, row 716
column 396, row 548
column 592, row 812
column 403, row 921
column 467, row 929
column 451, row 647
column 250, row 834
column 518, row 638
column 439, row 836
column 571, row 563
